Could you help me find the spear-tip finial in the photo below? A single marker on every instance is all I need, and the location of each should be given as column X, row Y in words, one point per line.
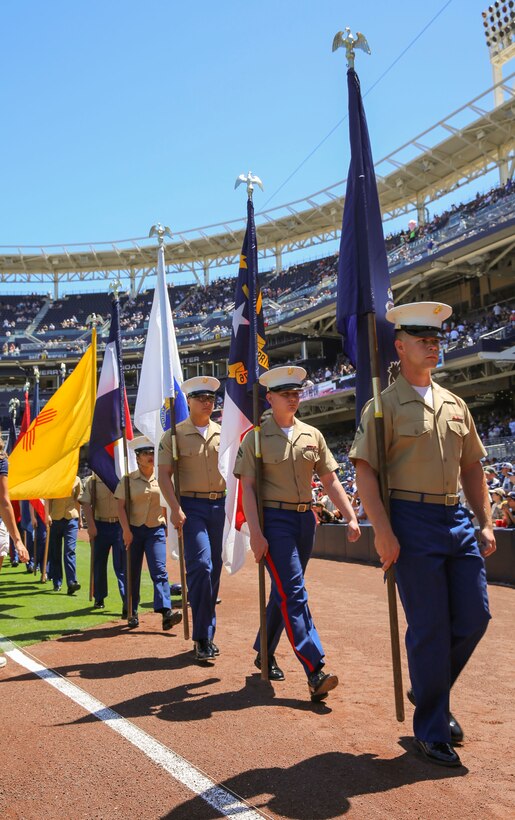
column 250, row 180
column 160, row 231
column 347, row 40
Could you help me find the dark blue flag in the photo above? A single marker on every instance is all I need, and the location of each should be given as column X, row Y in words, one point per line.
column 363, row 277
column 111, row 414
column 247, row 361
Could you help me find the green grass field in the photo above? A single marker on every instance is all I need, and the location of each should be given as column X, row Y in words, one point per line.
column 31, row 612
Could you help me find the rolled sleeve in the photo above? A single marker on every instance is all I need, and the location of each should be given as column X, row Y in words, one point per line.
column 245, row 464
column 364, row 446
column 473, row 449
column 164, row 453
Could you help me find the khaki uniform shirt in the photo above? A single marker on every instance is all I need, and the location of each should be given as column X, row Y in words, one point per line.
column 198, row 457
column 288, row 466
column 145, row 502
column 66, row 507
column 426, row 448
column 100, row 498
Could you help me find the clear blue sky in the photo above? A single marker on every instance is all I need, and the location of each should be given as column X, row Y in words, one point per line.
column 116, row 114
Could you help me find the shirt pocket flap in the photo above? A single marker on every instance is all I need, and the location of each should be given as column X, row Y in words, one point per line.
column 457, row 427
column 193, row 448
column 276, row 453
column 413, row 428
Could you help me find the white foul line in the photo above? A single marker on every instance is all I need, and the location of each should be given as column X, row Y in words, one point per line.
column 182, row 771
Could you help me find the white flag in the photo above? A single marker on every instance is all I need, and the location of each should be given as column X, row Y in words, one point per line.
column 161, row 372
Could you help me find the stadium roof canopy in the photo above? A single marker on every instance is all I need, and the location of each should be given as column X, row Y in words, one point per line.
column 467, row 144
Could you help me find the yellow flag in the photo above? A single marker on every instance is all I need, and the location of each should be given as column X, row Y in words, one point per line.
column 45, row 460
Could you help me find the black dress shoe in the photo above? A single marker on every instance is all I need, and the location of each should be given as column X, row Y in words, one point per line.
column 133, row 622
column 214, row 648
column 73, row 588
column 171, row 619
column 274, row 672
column 204, row 650
column 440, row 753
column 99, row 605
column 457, row 735
column 320, row 683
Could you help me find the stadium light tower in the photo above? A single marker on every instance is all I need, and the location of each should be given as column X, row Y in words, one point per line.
column 499, row 27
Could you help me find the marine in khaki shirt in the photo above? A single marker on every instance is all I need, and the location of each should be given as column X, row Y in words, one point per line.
column 101, row 511
column 199, row 513
column 427, row 447
column 291, row 452
column 288, row 463
column 68, row 507
column 99, row 497
column 198, row 457
column 145, row 500
column 431, row 446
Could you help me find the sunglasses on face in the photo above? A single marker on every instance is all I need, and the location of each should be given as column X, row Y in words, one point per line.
column 206, row 399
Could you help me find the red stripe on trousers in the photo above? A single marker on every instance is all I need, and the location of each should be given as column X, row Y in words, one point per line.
column 284, row 610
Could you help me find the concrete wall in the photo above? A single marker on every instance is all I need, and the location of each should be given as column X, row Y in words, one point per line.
column 331, row 542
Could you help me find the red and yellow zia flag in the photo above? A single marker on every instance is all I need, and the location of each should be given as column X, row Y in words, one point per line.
column 45, row 460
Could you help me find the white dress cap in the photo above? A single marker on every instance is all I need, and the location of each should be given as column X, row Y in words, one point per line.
column 420, row 318
column 286, row 377
column 200, row 386
column 140, row 443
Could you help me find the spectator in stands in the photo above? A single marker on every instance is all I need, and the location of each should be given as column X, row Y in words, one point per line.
column 491, row 478
column 509, row 510
column 506, row 473
column 498, row 497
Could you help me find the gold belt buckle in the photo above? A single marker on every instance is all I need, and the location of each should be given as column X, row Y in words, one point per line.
column 302, row 507
column 451, row 499
column 213, row 496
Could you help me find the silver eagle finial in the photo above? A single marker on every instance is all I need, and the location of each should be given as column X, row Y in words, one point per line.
column 350, row 42
column 250, row 180
column 160, row 231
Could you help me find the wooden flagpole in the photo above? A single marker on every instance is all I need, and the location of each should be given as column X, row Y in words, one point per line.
column 383, row 486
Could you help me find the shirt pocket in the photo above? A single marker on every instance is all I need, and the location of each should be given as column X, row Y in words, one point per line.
column 415, row 437
column 192, row 449
column 276, row 453
column 311, row 455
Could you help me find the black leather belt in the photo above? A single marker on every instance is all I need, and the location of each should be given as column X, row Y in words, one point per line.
column 447, row 499
column 211, row 496
column 285, row 505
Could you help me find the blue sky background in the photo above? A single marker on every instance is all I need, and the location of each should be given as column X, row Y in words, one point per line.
column 116, row 114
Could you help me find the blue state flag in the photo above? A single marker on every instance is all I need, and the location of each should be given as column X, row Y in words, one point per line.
column 248, row 359
column 363, row 277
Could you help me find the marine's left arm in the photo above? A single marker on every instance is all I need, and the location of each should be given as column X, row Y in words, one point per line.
column 476, row 492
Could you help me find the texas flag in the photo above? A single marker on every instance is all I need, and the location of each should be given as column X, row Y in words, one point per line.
column 111, row 413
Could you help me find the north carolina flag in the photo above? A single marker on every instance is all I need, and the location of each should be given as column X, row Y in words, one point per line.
column 45, row 462
column 111, row 413
column 161, row 371
column 247, row 361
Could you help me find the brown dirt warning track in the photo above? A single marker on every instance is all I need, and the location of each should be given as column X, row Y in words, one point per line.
column 283, row 755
